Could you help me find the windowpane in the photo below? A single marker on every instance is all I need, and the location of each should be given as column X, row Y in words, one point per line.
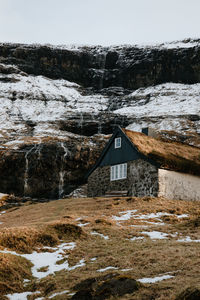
column 118, row 172
column 121, row 171
column 118, row 142
column 125, row 171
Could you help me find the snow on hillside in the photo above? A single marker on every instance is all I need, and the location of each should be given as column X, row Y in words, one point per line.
column 187, row 43
column 39, row 99
column 163, row 99
column 45, row 93
column 181, row 44
column 167, row 105
column 43, row 101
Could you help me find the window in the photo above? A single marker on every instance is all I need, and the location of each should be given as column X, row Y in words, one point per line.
column 118, row 172
column 118, row 142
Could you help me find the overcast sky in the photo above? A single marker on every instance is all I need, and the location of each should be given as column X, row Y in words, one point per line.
column 102, row 22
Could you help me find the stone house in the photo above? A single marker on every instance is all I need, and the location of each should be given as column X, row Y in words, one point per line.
column 135, row 164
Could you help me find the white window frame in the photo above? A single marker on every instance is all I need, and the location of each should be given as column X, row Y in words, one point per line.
column 118, row 172
column 118, row 142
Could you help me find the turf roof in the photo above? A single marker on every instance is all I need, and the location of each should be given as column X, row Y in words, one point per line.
column 169, row 155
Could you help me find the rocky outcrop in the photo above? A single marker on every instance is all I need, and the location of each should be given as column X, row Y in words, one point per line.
column 57, row 103
column 103, row 287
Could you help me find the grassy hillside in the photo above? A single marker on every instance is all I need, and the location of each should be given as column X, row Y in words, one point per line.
column 96, row 244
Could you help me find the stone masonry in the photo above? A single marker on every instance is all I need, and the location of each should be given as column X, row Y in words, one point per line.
column 142, row 180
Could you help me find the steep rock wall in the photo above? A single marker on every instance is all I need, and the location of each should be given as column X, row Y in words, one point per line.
column 130, row 67
column 47, row 167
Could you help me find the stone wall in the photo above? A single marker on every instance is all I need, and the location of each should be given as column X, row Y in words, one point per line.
column 180, row 186
column 142, row 180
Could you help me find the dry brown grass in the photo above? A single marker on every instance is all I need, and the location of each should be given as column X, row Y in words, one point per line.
column 13, row 270
column 144, row 258
column 27, row 239
column 170, row 155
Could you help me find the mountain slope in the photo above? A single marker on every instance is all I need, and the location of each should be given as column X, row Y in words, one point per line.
column 56, row 102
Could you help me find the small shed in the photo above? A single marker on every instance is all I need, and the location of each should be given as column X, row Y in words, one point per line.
column 135, row 164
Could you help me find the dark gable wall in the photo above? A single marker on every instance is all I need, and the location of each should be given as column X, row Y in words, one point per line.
column 142, row 175
column 120, row 155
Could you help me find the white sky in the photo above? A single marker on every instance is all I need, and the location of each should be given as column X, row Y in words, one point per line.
column 102, row 22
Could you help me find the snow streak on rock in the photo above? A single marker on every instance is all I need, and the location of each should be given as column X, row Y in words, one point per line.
column 165, row 105
column 41, row 102
column 36, row 99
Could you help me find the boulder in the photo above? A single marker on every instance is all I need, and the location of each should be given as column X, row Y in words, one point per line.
column 103, row 287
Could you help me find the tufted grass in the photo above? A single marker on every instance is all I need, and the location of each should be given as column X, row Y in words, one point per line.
column 13, row 271
column 33, row 226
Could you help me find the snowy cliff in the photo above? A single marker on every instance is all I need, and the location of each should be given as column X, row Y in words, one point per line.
column 56, row 102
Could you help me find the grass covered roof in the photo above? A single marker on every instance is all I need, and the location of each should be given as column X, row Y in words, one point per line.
column 169, row 155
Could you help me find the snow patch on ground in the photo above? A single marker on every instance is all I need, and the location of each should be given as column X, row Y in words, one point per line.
column 155, row 279
column 105, row 237
column 49, row 260
column 93, row 259
column 106, row 269
column 125, row 215
column 182, row 216
column 58, row 294
column 188, row 239
column 155, row 235
column 80, row 218
column 151, row 215
column 140, row 226
column 130, row 214
column 136, row 238
column 19, row 296
column 83, row 224
column 2, row 212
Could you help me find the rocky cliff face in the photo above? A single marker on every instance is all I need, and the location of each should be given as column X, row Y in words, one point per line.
column 47, row 167
column 56, row 104
column 129, row 67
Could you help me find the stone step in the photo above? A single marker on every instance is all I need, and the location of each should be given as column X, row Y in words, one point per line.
column 116, row 193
